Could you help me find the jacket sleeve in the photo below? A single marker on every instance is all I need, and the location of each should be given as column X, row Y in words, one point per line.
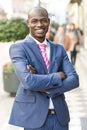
column 70, row 82
column 33, row 82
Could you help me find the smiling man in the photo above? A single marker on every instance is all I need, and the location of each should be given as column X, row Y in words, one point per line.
column 45, row 74
column 38, row 23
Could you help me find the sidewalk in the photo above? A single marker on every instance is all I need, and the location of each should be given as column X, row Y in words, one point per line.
column 6, row 100
column 76, row 99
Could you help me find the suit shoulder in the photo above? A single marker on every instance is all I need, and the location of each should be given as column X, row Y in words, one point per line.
column 17, row 46
column 17, row 43
column 20, row 42
column 56, row 45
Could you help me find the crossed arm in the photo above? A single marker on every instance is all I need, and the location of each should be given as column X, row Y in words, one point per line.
column 68, row 83
column 32, row 70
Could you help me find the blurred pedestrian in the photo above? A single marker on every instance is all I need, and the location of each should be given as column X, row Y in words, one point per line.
column 80, row 34
column 45, row 74
column 72, row 32
column 61, row 38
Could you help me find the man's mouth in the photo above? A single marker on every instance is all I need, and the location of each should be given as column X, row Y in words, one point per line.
column 40, row 30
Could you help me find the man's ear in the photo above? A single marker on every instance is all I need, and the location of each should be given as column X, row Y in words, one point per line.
column 27, row 22
column 49, row 20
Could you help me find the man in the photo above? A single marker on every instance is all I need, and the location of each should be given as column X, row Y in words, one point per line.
column 40, row 103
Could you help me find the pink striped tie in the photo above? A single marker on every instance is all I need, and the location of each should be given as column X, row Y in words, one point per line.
column 44, row 55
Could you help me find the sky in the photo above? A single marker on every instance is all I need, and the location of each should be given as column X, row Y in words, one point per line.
column 59, row 8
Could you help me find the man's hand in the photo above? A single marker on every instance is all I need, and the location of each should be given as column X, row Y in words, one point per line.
column 45, row 91
column 62, row 75
column 31, row 69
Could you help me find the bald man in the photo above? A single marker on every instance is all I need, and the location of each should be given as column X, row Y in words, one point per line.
column 44, row 78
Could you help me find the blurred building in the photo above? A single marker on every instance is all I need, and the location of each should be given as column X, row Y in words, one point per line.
column 2, row 12
column 17, row 8
column 77, row 13
column 21, row 7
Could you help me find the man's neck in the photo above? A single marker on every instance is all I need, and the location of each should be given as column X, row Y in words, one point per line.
column 41, row 39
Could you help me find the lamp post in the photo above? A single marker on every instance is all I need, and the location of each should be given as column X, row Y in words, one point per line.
column 39, row 3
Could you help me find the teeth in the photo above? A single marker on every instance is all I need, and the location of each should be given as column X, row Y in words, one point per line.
column 41, row 30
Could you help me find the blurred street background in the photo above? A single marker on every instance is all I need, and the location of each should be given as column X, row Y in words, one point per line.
column 61, row 13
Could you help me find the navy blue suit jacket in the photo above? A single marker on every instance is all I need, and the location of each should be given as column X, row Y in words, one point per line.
column 31, row 105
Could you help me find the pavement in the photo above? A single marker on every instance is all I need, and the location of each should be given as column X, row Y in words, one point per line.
column 76, row 99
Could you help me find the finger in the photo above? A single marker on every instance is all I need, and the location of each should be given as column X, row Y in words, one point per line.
column 28, row 67
column 32, row 67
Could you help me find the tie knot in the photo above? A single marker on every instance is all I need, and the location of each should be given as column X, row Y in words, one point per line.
column 42, row 47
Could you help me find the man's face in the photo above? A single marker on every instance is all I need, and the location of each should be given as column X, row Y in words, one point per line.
column 38, row 24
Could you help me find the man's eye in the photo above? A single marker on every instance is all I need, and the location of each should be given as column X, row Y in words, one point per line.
column 44, row 20
column 34, row 21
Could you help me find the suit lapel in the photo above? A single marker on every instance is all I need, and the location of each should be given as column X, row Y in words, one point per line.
column 52, row 57
column 31, row 44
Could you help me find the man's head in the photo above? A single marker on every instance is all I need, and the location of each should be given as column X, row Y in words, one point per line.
column 38, row 23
